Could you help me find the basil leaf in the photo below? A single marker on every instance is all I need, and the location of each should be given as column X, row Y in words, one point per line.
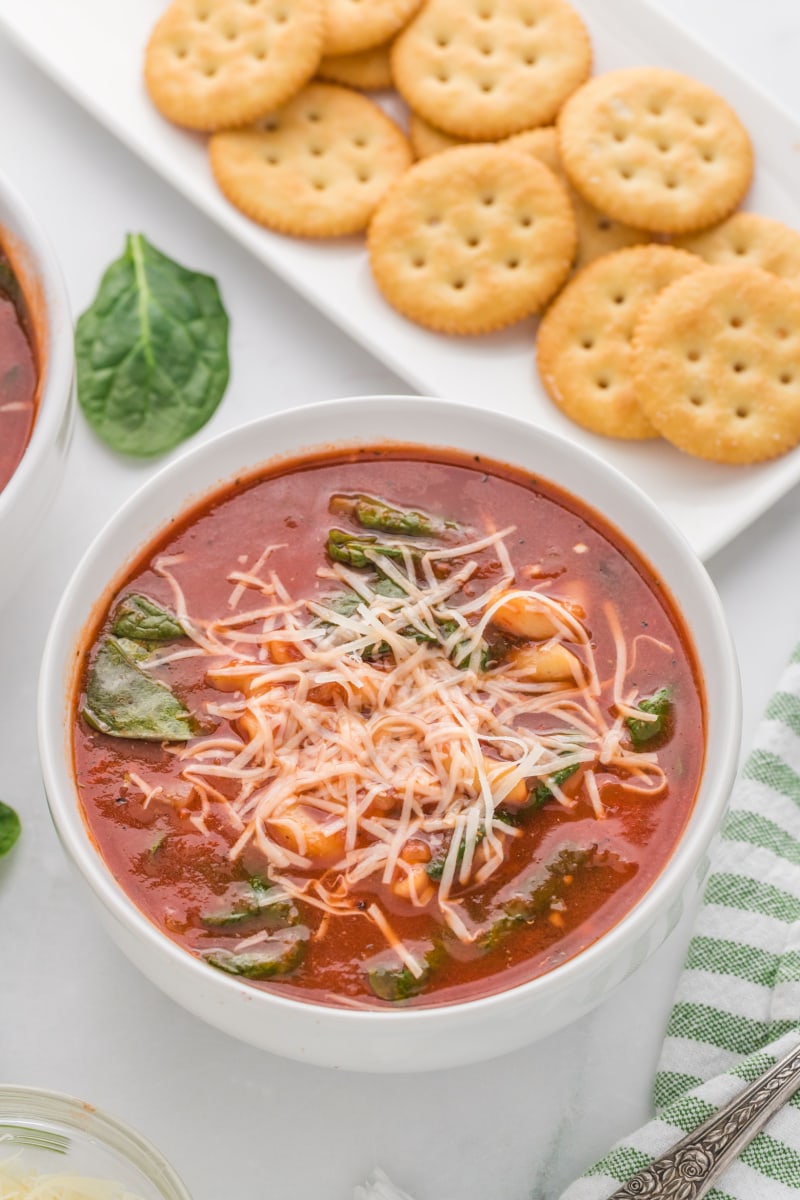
column 140, row 618
column 10, row 828
column 123, row 701
column 152, row 352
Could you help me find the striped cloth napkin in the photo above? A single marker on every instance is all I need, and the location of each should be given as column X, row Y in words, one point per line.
column 737, row 1009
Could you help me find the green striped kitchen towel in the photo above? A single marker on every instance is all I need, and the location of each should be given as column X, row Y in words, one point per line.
column 737, row 1008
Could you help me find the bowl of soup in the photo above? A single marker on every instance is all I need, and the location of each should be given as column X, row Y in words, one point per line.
column 389, row 734
column 36, row 379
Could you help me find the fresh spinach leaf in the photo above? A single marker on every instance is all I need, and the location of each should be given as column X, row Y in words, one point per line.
column 278, row 955
column 10, row 828
column 122, row 700
column 644, row 733
column 152, row 352
column 141, row 619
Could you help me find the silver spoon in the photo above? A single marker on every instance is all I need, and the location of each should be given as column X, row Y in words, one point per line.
column 687, row 1171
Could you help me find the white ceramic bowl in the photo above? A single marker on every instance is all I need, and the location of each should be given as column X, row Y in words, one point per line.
column 411, row 1039
column 31, row 489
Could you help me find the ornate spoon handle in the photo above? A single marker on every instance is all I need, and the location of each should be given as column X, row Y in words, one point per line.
column 687, row 1171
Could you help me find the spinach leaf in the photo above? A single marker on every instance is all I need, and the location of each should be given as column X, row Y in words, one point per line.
column 10, row 828
column 278, row 955
column 123, row 701
column 140, row 618
column 645, row 733
column 372, row 513
column 152, row 352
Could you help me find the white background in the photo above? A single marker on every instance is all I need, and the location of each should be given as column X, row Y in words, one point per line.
column 74, row 1015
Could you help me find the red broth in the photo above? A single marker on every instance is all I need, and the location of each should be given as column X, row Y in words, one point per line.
column 17, row 375
column 578, row 873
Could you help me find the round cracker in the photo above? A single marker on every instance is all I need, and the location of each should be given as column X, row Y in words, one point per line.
column 583, row 348
column 217, row 64
column 472, row 239
column 716, row 359
column 484, row 69
column 317, row 167
column 598, row 234
column 750, row 238
column 655, row 149
column 368, row 71
column 426, row 139
column 354, row 25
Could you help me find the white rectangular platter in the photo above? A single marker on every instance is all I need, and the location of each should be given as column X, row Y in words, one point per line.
column 93, row 49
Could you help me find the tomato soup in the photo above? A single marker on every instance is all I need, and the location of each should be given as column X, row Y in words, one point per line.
column 388, row 728
column 17, row 374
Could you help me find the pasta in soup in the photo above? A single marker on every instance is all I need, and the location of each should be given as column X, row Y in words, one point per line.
column 388, row 727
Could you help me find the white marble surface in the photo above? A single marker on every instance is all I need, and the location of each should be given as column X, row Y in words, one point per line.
column 73, row 1014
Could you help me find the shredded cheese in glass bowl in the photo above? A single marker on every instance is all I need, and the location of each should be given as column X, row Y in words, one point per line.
column 54, row 1147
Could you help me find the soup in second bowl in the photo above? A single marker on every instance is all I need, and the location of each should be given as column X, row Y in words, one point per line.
column 18, row 374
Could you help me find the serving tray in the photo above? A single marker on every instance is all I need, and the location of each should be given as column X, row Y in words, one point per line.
column 93, row 49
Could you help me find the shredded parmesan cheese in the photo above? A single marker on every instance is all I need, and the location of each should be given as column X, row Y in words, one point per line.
column 21, row 1183
column 360, row 727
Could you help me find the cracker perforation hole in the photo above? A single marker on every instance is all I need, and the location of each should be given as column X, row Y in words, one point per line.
column 231, row 33
column 316, row 151
column 418, row 261
column 473, row 240
column 281, row 17
column 618, row 297
column 260, row 54
column 736, row 322
column 587, row 342
column 781, row 333
column 693, row 355
column 739, row 367
column 604, row 224
column 181, row 52
column 434, row 219
column 742, row 412
column 442, row 39
column 620, row 135
column 700, row 119
column 363, row 175
column 526, row 220
column 786, row 377
column 272, row 159
column 360, row 141
column 486, row 11
column 530, row 59
column 664, row 145
column 487, row 86
column 314, row 116
column 529, row 20
column 696, row 400
column 209, row 70
column 603, row 382
column 626, row 172
column 488, row 200
column 443, row 75
column 655, row 108
column 459, row 284
column 486, row 49
column 512, row 263
column 202, row 13
column 671, row 183
column 708, row 156
column 319, row 184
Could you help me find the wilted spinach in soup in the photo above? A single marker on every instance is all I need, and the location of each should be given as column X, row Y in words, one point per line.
column 17, row 373
column 381, row 728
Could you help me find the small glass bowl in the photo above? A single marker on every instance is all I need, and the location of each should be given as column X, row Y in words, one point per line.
column 55, row 1134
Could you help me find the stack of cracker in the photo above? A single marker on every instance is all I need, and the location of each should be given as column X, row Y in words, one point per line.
column 532, row 177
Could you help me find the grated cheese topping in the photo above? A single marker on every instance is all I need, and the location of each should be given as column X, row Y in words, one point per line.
column 372, row 732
